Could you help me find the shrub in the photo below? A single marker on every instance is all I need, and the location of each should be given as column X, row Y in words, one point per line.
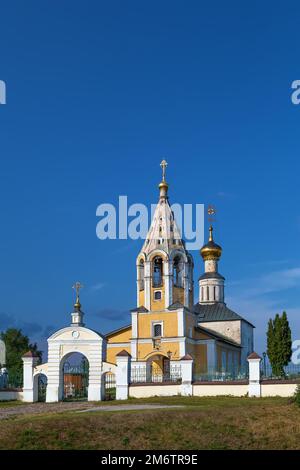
column 297, row 395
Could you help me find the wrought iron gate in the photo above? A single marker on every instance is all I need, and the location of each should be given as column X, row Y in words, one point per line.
column 76, row 381
column 110, row 386
column 42, row 387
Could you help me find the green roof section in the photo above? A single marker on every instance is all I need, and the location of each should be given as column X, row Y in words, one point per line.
column 216, row 312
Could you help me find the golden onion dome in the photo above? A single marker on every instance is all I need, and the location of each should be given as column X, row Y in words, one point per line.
column 211, row 250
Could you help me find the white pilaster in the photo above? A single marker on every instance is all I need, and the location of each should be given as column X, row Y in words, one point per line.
column 147, row 285
column 168, row 283
column 186, row 375
column 123, row 360
column 29, row 362
column 254, row 387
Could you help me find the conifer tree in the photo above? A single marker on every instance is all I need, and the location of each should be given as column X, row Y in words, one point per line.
column 279, row 343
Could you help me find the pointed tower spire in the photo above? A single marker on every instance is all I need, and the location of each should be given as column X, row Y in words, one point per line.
column 77, row 315
column 164, row 267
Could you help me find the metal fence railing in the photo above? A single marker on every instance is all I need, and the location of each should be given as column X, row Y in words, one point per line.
column 11, row 380
column 234, row 374
column 291, row 372
column 144, row 374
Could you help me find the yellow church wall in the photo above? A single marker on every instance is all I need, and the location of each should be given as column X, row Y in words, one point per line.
column 201, row 335
column 119, row 337
column 189, row 325
column 141, row 298
column 146, row 349
column 158, row 304
column 173, row 347
column 221, row 349
column 178, row 295
column 113, row 351
column 170, row 327
column 200, row 356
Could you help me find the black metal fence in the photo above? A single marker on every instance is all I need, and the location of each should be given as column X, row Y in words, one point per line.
column 234, row 374
column 12, row 379
column 291, row 372
column 145, row 374
column 110, row 386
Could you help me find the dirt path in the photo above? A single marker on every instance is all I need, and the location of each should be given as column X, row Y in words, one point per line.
column 129, row 407
column 83, row 407
column 40, row 408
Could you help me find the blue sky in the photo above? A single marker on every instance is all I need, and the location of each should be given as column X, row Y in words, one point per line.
column 97, row 93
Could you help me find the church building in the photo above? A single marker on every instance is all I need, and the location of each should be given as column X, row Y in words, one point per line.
column 166, row 324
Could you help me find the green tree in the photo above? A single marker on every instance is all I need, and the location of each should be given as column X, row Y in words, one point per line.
column 279, row 343
column 16, row 345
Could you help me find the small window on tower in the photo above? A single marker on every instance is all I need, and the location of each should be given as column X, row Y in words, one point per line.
column 157, row 295
column 157, row 330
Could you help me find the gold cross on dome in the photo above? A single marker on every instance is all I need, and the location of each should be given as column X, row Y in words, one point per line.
column 77, row 286
column 164, row 165
column 211, row 210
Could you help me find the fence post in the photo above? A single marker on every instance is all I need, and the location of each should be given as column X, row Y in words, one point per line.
column 186, row 375
column 29, row 363
column 254, row 387
column 123, row 360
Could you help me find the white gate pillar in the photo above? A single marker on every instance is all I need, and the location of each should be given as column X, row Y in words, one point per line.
column 95, row 383
column 254, row 387
column 186, row 375
column 123, row 359
column 29, row 363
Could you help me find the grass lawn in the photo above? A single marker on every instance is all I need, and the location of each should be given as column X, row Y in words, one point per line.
column 5, row 404
column 204, row 423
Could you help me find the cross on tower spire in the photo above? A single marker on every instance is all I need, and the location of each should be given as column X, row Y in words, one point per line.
column 164, row 165
column 77, row 315
column 77, row 286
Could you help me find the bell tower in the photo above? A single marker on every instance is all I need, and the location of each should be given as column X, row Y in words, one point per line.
column 164, row 266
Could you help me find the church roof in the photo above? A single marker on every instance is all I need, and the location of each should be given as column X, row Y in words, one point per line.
column 216, row 312
column 213, row 275
column 140, row 309
column 118, row 330
column 175, row 306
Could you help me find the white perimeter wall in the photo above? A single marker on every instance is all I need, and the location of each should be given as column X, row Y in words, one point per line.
column 146, row 391
column 6, row 395
column 278, row 390
column 218, row 390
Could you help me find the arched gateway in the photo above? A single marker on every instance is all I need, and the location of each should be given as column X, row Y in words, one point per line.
column 61, row 345
column 75, row 338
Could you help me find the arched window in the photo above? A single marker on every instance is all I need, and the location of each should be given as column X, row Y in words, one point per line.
column 141, row 274
column 157, row 277
column 178, row 271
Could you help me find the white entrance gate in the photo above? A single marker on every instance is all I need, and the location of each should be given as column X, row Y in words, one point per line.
column 71, row 340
